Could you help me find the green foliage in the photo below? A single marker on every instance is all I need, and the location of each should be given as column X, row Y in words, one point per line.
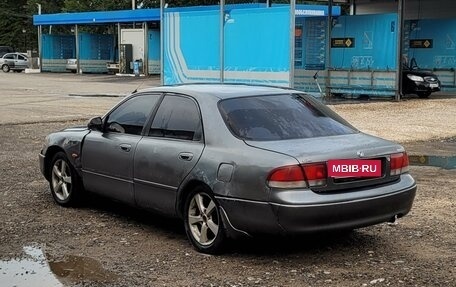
column 95, row 5
column 12, row 20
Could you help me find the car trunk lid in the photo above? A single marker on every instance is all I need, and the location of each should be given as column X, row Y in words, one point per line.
column 357, row 146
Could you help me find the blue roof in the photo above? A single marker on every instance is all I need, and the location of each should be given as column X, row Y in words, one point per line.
column 122, row 16
column 143, row 15
column 100, row 17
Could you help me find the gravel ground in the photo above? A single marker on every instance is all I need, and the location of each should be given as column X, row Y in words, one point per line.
column 407, row 121
column 107, row 244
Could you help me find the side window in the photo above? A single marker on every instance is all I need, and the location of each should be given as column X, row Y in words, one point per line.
column 9, row 56
column 177, row 117
column 131, row 115
column 21, row 57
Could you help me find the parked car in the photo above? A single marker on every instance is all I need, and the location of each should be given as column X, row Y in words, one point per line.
column 419, row 82
column 5, row 49
column 232, row 160
column 16, row 62
column 72, row 65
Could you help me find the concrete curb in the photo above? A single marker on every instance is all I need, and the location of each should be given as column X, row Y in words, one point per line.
column 446, row 162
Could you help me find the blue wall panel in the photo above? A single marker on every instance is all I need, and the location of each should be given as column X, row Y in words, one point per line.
column 96, row 47
column 310, row 43
column 255, row 50
column 154, row 51
column 252, row 43
column 199, row 39
column 56, row 49
column 58, row 46
column 375, row 42
column 191, row 47
column 442, row 53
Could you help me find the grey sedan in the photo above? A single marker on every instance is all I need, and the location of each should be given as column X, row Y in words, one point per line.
column 232, row 160
column 16, row 62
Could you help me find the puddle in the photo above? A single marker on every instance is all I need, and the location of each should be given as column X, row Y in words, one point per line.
column 35, row 269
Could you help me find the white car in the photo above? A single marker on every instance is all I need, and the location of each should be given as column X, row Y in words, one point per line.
column 16, row 62
column 72, row 65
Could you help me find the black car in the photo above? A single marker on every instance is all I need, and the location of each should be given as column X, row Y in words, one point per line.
column 5, row 49
column 419, row 82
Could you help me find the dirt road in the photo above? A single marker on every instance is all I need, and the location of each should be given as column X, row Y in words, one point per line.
column 107, row 244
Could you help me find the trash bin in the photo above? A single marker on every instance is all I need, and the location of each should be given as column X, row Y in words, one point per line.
column 137, row 67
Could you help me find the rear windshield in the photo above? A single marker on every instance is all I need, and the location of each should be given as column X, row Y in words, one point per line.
column 281, row 117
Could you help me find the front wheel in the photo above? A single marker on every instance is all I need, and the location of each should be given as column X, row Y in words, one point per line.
column 203, row 223
column 5, row 68
column 65, row 184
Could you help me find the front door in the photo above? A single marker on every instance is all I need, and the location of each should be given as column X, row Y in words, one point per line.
column 167, row 153
column 107, row 155
column 21, row 62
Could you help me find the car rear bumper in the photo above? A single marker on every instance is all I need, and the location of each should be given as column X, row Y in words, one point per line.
column 277, row 218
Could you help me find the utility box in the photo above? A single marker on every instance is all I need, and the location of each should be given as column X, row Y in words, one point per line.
column 136, row 38
column 126, row 57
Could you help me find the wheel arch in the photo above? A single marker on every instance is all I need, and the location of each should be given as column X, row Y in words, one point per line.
column 185, row 190
column 50, row 153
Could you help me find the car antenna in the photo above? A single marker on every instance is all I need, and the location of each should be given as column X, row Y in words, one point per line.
column 139, row 86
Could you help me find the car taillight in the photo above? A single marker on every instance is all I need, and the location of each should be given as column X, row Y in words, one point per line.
column 287, row 177
column 298, row 176
column 399, row 163
column 315, row 174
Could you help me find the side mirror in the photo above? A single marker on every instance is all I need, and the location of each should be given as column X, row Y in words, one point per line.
column 95, row 124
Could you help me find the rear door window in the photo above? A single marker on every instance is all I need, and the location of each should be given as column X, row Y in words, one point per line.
column 177, row 117
column 281, row 117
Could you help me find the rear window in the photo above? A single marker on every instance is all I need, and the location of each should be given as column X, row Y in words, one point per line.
column 281, row 117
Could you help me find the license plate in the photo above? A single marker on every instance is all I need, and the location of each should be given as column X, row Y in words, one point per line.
column 434, row 85
column 355, row 168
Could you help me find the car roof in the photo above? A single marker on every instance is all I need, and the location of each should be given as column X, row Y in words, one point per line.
column 222, row 91
column 16, row 53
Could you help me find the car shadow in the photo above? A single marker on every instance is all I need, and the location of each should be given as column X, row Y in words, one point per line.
column 264, row 246
column 135, row 216
column 309, row 244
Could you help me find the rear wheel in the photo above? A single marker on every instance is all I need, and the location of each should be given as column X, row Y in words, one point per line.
column 65, row 184
column 424, row 95
column 5, row 68
column 203, row 223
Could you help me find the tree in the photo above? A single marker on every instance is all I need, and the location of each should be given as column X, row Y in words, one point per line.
column 13, row 20
column 95, row 5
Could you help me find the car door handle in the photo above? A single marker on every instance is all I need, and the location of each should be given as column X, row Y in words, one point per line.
column 188, row 156
column 125, row 147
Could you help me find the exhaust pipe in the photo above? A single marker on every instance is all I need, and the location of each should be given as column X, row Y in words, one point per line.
column 393, row 221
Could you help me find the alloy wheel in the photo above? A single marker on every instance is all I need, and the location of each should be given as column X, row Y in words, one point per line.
column 203, row 219
column 61, row 179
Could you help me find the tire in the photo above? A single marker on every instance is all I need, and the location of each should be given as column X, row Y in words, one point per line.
column 424, row 95
column 203, row 222
column 5, row 68
column 65, row 183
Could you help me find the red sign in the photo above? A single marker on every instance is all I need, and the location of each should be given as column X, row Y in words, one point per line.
column 355, row 168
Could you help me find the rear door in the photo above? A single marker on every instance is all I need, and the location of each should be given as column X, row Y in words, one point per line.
column 9, row 59
column 167, row 153
column 107, row 155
